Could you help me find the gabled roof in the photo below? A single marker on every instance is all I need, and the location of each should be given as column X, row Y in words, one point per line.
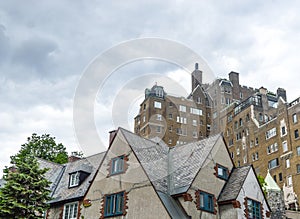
column 179, row 165
column 234, row 184
column 152, row 154
column 271, row 184
column 60, row 179
column 187, row 160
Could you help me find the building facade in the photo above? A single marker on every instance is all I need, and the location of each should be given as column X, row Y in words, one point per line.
column 263, row 130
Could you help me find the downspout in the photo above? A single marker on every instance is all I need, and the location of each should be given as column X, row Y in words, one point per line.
column 169, row 169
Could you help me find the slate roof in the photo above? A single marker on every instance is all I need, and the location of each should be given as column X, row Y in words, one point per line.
column 234, row 184
column 182, row 163
column 152, row 155
column 187, row 160
column 59, row 176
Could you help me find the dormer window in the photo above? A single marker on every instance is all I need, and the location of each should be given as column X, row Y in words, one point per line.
column 74, row 179
column 117, row 165
column 77, row 178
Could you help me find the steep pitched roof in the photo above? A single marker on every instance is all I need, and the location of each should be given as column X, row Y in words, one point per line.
column 180, row 164
column 60, row 181
column 234, row 184
column 187, row 160
column 152, row 154
column 271, row 184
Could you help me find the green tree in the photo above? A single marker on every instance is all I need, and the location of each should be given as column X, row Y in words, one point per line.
column 43, row 147
column 262, row 183
column 26, row 193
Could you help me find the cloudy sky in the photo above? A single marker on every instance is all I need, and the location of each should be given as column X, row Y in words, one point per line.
column 46, row 46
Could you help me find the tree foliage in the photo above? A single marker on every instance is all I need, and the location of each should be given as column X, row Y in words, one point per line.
column 43, row 147
column 262, row 183
column 25, row 194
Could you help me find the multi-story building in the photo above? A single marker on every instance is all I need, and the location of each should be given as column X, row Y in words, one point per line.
column 263, row 131
column 259, row 126
column 177, row 120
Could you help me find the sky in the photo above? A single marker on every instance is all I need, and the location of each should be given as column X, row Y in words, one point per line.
column 46, row 47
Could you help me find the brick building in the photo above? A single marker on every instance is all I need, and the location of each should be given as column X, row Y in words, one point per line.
column 263, row 130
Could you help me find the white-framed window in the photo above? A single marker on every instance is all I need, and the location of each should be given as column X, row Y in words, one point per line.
column 289, row 180
column 158, row 117
column 284, row 146
column 199, row 100
column 237, row 151
column 287, row 163
column 272, row 148
column 295, row 119
column 194, row 122
column 70, row 210
column 182, row 108
column 181, row 119
column 144, row 118
column 117, row 165
column 74, row 179
column 271, row 133
column 157, row 104
column 196, row 111
column 245, row 159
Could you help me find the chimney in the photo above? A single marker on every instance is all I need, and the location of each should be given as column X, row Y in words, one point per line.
column 73, row 158
column 196, row 77
column 112, row 135
column 263, row 90
column 281, row 93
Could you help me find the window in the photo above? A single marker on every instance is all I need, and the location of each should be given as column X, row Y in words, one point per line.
column 280, row 177
column 199, row 100
column 289, row 180
column 171, row 128
column 273, row 163
column 194, row 122
column 272, row 148
column 283, row 130
column 235, row 124
column 170, row 116
column 117, row 165
column 157, row 105
column 195, row 135
column 287, row 163
column 196, row 111
column 298, row 150
column 245, row 159
column 158, row 129
column 159, row 117
column 238, row 136
column 296, row 133
column 284, row 146
column 240, row 122
column 144, row 118
column 298, row 168
column 70, row 210
column 295, row 120
column 114, row 204
column 170, row 141
column 260, row 117
column 230, row 142
column 271, row 133
column 74, row 179
column 274, row 177
column 206, row 202
column 255, row 156
column 222, row 172
column 256, row 141
column 247, row 118
column 182, row 108
column 232, row 155
column 237, row 151
column 253, row 209
column 181, row 119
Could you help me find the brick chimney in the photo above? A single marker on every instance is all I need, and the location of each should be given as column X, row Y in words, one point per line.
column 112, row 135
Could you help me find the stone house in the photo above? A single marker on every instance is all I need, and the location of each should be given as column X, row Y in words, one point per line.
column 141, row 178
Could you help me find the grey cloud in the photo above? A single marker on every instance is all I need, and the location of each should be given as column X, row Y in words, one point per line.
column 35, row 53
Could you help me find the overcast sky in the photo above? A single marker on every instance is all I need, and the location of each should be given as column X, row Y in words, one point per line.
column 45, row 46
